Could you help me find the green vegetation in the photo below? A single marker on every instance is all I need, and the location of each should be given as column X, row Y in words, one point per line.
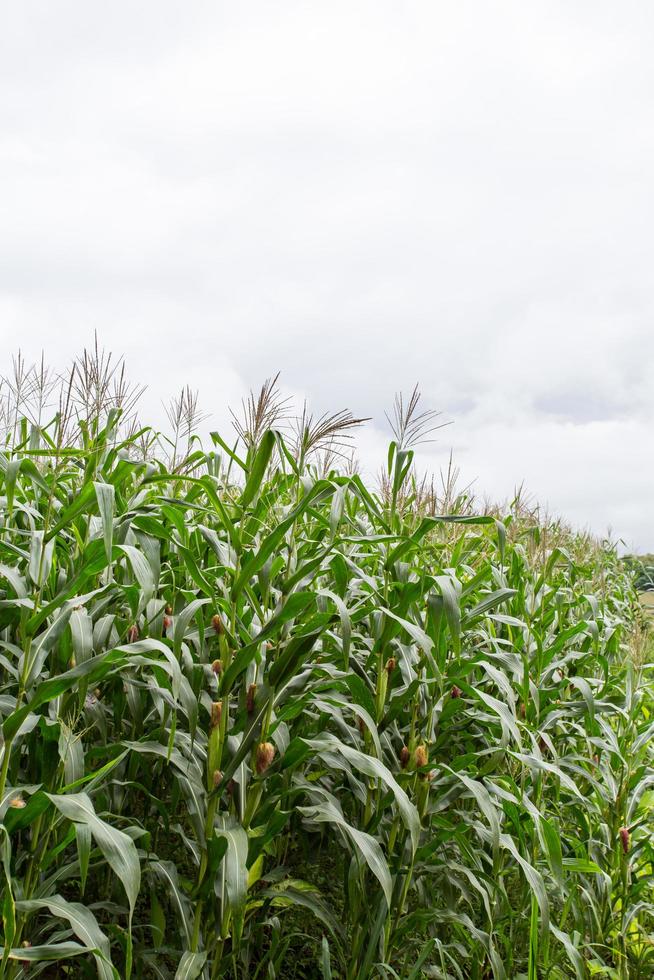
column 262, row 721
column 642, row 568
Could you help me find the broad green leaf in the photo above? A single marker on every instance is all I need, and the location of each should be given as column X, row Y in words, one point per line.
column 365, row 846
column 40, row 558
column 232, row 881
column 46, row 954
column 258, row 468
column 190, row 966
column 142, row 572
column 325, row 960
column 118, row 849
column 106, row 497
column 84, row 925
column 182, row 621
column 376, row 769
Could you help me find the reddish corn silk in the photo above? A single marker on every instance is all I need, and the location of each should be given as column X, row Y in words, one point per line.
column 133, row 634
column 167, row 623
column 405, row 755
column 217, row 777
column 265, row 756
column 391, row 664
column 216, row 713
column 17, row 802
column 625, row 839
column 217, row 667
column 217, row 623
column 421, row 757
column 251, row 695
column 456, row 691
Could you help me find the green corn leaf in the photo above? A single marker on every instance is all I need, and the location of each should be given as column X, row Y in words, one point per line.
column 232, row 880
column 190, row 966
column 258, row 468
column 8, row 903
column 376, row 769
column 84, row 925
column 40, row 561
column 365, row 846
column 49, row 953
column 143, row 573
column 182, row 621
column 117, row 847
column 106, row 498
column 325, row 960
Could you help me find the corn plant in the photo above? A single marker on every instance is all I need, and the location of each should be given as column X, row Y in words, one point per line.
column 262, row 720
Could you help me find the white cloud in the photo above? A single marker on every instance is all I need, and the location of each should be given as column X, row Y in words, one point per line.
column 361, row 195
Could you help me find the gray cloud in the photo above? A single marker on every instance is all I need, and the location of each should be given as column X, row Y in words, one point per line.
column 361, row 195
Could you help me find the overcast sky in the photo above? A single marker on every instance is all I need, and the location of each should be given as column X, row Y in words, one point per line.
column 361, row 195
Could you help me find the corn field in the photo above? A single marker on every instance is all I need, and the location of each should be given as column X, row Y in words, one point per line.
column 262, row 718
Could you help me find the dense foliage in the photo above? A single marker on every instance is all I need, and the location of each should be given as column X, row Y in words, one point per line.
column 642, row 569
column 260, row 721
